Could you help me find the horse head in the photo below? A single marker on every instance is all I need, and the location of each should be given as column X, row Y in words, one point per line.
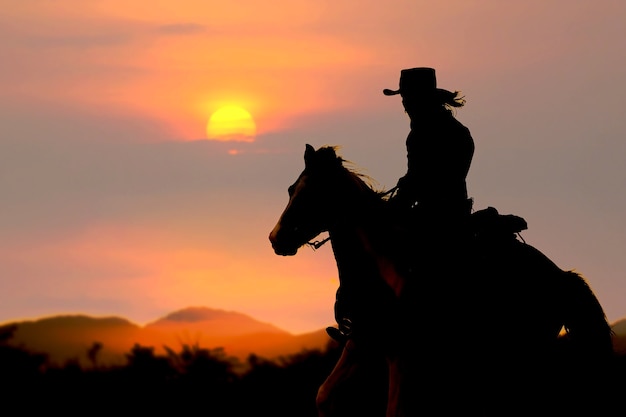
column 306, row 213
column 325, row 194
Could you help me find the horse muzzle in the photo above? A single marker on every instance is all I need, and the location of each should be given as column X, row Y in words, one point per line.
column 281, row 246
column 284, row 252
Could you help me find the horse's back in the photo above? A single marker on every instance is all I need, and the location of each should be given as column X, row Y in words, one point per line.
column 499, row 312
column 539, row 299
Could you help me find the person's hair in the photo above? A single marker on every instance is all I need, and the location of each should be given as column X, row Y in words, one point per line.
column 440, row 99
column 451, row 99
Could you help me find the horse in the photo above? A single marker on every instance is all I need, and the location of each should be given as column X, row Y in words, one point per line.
column 492, row 327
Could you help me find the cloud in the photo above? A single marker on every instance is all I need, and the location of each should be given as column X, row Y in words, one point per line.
column 181, row 29
column 79, row 40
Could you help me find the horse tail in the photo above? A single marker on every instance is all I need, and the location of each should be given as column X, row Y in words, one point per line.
column 586, row 363
column 585, row 322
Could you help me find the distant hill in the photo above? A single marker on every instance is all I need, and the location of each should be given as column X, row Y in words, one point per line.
column 212, row 323
column 237, row 333
column 69, row 337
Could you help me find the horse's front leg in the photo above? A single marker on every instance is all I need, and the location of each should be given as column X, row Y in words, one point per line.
column 330, row 392
column 357, row 384
column 393, row 397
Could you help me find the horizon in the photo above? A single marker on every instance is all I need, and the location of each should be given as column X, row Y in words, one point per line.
column 118, row 202
column 155, row 319
column 146, row 323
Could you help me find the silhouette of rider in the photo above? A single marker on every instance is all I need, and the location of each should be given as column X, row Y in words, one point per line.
column 431, row 201
column 439, row 151
column 433, row 194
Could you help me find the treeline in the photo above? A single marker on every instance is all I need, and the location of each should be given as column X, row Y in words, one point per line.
column 194, row 380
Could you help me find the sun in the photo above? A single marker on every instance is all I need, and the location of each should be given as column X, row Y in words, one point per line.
column 231, row 123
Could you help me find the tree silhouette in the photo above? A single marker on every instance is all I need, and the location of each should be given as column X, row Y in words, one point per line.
column 93, row 351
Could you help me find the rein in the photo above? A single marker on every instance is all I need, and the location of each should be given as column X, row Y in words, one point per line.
column 318, row 243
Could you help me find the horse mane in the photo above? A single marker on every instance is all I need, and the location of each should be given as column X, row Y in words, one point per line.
column 329, row 155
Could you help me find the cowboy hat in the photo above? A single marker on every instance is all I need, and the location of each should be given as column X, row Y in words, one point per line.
column 421, row 84
column 416, row 81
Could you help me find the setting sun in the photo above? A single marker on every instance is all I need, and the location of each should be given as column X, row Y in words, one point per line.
column 231, row 123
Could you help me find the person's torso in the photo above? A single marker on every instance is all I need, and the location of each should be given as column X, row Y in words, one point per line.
column 439, row 152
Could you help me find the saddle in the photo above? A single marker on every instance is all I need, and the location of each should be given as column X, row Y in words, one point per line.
column 488, row 224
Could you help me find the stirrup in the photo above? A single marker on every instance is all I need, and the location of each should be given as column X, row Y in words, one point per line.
column 336, row 334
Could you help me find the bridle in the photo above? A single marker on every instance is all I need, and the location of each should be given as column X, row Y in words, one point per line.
column 318, row 243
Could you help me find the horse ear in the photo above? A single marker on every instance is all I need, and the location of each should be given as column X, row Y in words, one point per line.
column 309, row 151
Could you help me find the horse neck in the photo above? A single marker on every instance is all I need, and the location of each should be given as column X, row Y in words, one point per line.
column 357, row 254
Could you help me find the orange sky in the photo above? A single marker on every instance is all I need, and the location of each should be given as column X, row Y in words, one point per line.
column 116, row 204
column 179, row 64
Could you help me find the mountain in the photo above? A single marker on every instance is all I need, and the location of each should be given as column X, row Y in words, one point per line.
column 619, row 336
column 214, row 324
column 70, row 337
column 237, row 333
